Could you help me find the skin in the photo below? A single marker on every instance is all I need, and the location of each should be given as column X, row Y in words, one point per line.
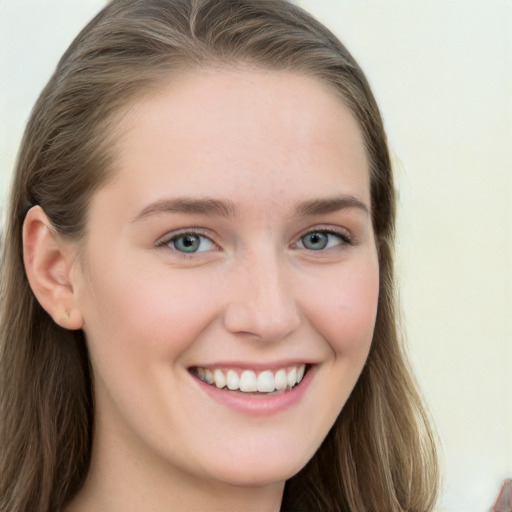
column 262, row 143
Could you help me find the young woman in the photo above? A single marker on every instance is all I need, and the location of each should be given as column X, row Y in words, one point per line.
column 198, row 309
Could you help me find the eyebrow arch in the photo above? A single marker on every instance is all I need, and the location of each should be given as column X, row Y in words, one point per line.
column 330, row 205
column 191, row 205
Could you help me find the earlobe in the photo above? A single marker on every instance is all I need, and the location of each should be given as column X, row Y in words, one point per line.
column 48, row 260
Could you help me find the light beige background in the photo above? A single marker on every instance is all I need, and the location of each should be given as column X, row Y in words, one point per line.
column 442, row 73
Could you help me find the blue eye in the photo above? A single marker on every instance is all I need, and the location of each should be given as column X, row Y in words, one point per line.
column 320, row 240
column 191, row 243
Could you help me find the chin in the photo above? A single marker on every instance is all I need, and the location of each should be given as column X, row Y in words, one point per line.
column 262, row 471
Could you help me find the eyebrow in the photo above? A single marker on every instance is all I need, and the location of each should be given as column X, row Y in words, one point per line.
column 225, row 208
column 197, row 206
column 330, row 205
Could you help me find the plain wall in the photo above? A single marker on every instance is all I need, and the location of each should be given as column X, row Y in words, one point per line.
column 442, row 74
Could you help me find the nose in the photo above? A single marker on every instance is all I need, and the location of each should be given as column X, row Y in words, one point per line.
column 262, row 303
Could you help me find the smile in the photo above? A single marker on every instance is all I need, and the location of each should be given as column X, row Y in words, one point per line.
column 250, row 381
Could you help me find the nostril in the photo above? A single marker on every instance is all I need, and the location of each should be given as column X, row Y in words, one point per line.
column 269, row 323
column 262, row 303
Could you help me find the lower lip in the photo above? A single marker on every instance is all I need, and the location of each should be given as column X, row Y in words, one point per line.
column 259, row 405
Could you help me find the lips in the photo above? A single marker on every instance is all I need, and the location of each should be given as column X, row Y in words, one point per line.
column 252, row 381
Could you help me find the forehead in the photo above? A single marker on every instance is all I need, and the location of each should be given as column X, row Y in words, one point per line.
column 241, row 132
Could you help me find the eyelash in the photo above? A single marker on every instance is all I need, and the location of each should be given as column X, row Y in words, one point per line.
column 169, row 239
column 344, row 237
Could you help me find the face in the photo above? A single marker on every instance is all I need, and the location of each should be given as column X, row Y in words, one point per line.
column 229, row 276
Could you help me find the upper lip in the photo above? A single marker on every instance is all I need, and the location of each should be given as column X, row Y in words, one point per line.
column 257, row 366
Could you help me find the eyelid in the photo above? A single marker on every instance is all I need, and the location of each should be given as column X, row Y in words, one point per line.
column 345, row 236
column 165, row 240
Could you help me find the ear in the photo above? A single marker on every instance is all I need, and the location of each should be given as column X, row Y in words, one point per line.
column 48, row 263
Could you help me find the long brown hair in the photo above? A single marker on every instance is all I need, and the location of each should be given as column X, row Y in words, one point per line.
column 380, row 454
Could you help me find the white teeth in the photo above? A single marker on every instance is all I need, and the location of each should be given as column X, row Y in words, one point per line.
column 219, row 378
column 291, row 377
column 208, row 376
column 266, row 382
column 280, row 380
column 232, row 380
column 248, row 382
column 300, row 372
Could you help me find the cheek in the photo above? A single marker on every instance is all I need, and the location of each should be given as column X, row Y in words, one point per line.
column 135, row 311
column 346, row 315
